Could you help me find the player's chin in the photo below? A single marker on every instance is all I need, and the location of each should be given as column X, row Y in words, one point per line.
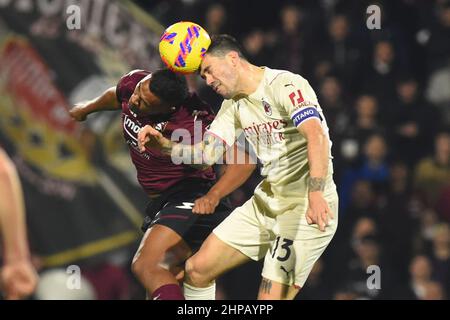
column 225, row 95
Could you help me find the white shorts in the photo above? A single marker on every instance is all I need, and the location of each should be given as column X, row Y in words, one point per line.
column 290, row 246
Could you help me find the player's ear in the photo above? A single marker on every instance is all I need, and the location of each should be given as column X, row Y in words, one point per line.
column 234, row 57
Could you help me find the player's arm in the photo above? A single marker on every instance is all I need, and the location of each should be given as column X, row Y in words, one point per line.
column 201, row 155
column 300, row 101
column 17, row 277
column 234, row 176
column 318, row 159
column 106, row 101
column 217, row 139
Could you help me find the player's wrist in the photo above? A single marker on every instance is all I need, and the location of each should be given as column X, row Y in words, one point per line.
column 316, row 184
column 215, row 194
column 90, row 107
column 15, row 257
column 167, row 146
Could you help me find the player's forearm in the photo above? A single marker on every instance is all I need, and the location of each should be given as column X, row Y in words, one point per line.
column 12, row 213
column 107, row 101
column 318, row 158
column 234, row 176
column 201, row 155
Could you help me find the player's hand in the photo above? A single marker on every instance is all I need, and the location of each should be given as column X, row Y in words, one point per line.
column 18, row 279
column 150, row 137
column 78, row 112
column 206, row 204
column 318, row 211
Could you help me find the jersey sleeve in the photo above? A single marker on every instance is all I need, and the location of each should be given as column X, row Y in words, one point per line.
column 225, row 126
column 298, row 98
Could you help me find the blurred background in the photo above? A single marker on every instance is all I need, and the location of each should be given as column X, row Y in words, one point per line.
column 385, row 94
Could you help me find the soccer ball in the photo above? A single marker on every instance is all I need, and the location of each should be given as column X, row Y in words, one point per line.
column 183, row 45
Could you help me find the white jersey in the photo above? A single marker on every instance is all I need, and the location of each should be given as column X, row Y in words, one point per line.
column 269, row 118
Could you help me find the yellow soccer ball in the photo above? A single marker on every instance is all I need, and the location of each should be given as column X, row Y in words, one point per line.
column 183, row 45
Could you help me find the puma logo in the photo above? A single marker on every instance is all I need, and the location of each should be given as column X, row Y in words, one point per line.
column 186, row 205
column 287, row 272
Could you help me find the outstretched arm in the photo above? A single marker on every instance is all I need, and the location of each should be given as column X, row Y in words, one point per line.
column 235, row 175
column 107, row 101
column 201, row 155
column 17, row 277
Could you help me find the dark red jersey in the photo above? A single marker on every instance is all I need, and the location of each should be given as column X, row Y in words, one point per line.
column 156, row 172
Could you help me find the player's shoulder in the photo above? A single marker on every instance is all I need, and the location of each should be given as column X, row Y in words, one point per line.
column 276, row 77
column 228, row 105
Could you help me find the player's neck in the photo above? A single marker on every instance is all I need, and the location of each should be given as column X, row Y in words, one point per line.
column 250, row 78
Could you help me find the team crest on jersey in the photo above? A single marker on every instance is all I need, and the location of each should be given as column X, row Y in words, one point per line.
column 267, row 108
column 161, row 126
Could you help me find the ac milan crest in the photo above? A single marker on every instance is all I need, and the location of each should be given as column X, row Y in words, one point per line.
column 267, row 108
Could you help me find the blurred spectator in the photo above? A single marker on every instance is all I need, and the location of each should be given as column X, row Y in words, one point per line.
column 362, row 123
column 440, row 255
column 320, row 70
column 363, row 203
column 438, row 93
column 365, row 226
column 368, row 252
column 291, row 41
column 433, row 173
column 353, row 232
column 380, row 80
column 254, row 46
column 372, row 168
column 397, row 217
column 420, row 270
column 342, row 51
column 428, row 222
column 412, row 121
column 334, row 106
column 421, row 285
column 438, row 47
column 367, row 109
column 216, row 19
column 433, row 291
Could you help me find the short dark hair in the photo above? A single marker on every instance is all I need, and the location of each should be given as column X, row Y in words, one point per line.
column 169, row 86
column 222, row 44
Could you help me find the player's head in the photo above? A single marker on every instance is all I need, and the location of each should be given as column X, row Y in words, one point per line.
column 220, row 65
column 159, row 93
